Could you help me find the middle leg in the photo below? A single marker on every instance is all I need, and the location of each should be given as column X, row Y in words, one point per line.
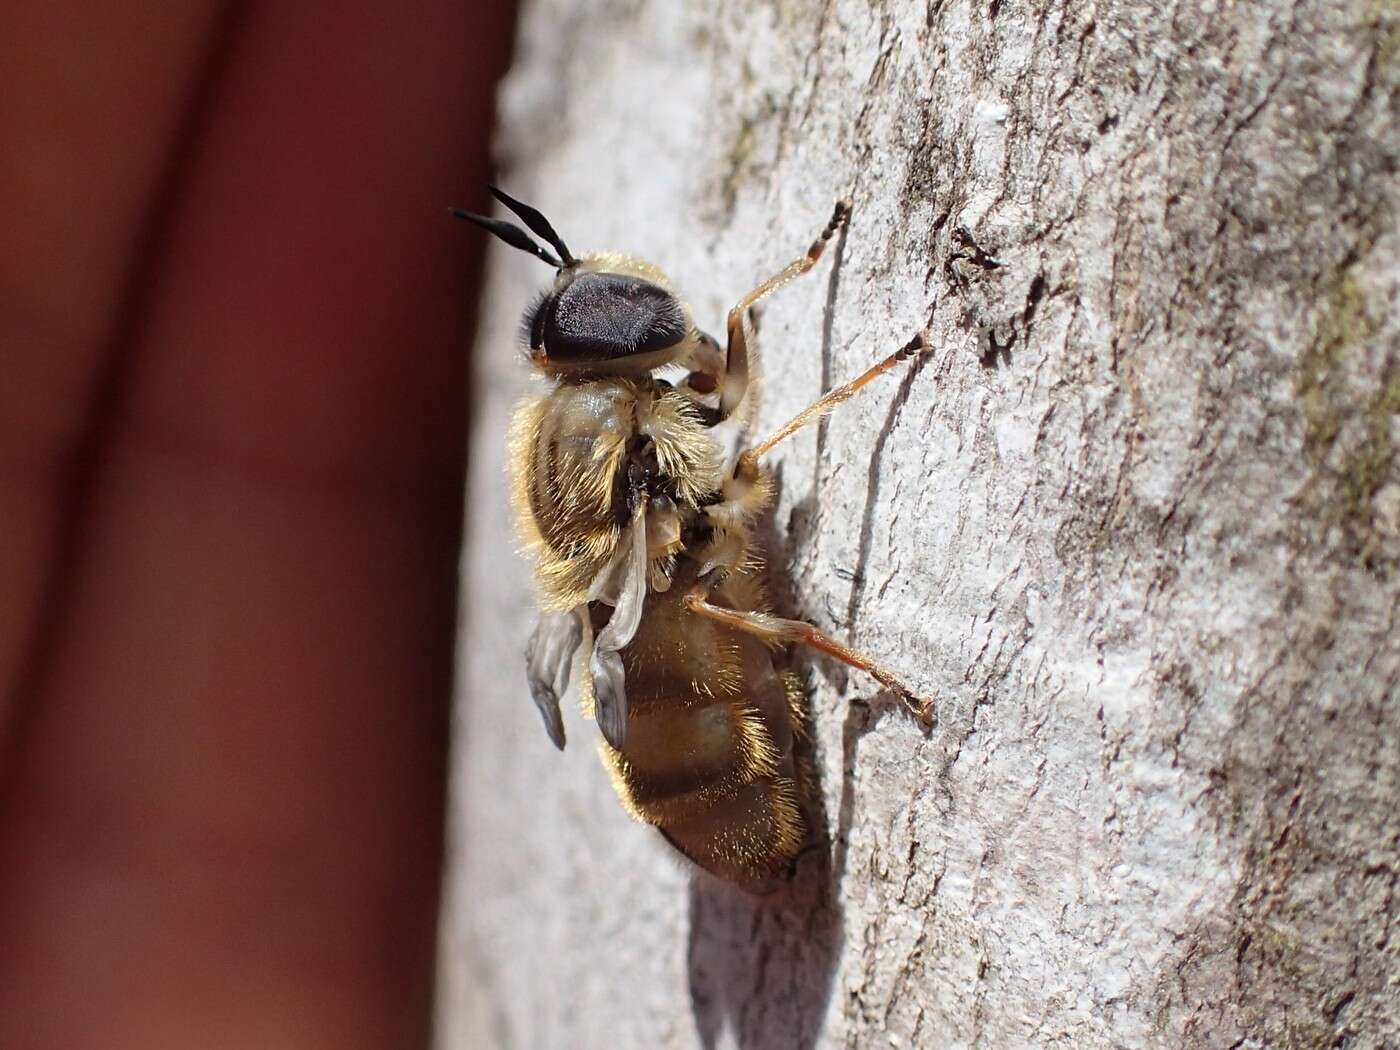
column 748, row 459
column 745, row 493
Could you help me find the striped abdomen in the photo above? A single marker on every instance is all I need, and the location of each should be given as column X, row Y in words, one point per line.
column 709, row 752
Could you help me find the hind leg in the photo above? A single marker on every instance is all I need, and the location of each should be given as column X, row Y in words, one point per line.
column 776, row 629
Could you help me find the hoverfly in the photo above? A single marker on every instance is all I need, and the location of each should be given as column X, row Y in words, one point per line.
column 643, row 543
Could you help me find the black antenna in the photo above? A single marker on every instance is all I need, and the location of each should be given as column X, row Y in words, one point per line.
column 538, row 224
column 508, row 232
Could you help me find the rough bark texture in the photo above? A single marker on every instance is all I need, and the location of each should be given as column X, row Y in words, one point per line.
column 1136, row 524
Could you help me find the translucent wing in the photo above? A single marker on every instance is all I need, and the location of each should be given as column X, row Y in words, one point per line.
column 609, row 688
column 548, row 657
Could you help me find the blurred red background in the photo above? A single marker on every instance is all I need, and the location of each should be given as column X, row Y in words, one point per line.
column 234, row 320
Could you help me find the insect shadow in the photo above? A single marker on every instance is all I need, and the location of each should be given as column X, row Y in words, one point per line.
column 762, row 967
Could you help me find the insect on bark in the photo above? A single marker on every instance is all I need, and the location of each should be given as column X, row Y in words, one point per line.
column 643, row 543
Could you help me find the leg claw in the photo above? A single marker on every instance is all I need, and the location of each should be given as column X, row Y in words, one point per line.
column 921, row 708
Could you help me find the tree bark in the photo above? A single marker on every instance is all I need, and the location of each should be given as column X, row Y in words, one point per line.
column 1135, row 524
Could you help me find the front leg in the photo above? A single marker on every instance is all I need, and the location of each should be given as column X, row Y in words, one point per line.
column 734, row 383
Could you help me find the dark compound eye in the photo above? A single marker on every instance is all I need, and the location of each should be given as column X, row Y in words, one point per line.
column 604, row 316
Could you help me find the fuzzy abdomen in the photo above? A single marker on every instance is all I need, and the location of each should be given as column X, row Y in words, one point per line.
column 710, row 733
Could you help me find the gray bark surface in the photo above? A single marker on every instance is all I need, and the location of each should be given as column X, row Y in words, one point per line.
column 1135, row 523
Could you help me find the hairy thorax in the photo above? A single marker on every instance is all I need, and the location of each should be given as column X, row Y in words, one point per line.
column 574, row 452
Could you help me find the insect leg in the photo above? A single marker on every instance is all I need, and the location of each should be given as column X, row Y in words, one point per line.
column 706, row 366
column 775, row 629
column 735, row 380
column 748, row 460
